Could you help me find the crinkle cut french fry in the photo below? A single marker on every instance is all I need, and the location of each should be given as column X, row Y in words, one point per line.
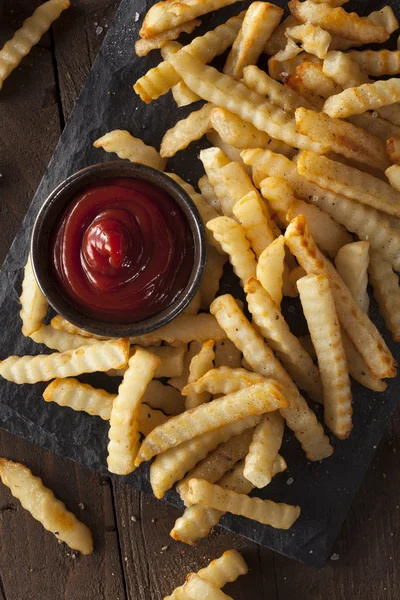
column 29, row 35
column 126, row 146
column 231, row 152
column 227, row 355
column 172, row 465
column 375, row 125
column 224, row 91
column 124, row 420
column 171, row 13
column 196, row 588
column 45, row 507
column 236, row 132
column 197, row 521
column 208, row 192
column 377, row 62
column 252, row 401
column 299, row 418
column 220, row 571
column 352, row 265
column 180, row 381
column 349, row 182
column 393, row 175
column 355, row 321
column 385, row 284
column 182, row 330
column 278, row 39
column 101, row 356
column 62, row 324
column 230, row 182
column 33, row 304
column 280, row 516
column 60, row 340
column 143, row 47
column 319, row 309
column 366, row 222
column 386, row 18
column 214, row 270
column 279, row 194
column 254, row 218
column 164, row 397
column 171, row 361
column 343, row 138
column 314, row 79
column 275, row 330
column 368, row 96
column 186, row 131
column 263, row 451
column 342, row 69
column 223, row 380
column 358, row 369
column 160, row 79
column 233, row 241
column 199, row 365
column 314, row 39
column 258, row 24
column 270, row 269
column 393, row 149
column 180, row 92
column 338, row 22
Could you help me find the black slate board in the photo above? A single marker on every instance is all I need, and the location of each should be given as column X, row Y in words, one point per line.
column 323, row 490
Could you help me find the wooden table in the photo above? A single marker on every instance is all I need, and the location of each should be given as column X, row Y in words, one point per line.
column 134, row 558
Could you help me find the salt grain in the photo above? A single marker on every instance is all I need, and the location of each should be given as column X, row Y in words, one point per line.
column 99, row 30
column 290, row 481
column 335, row 556
column 137, row 16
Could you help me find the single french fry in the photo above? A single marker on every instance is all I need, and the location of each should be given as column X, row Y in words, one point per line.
column 275, row 330
column 279, row 194
column 270, row 269
column 313, row 39
column 45, row 507
column 355, row 321
column 314, row 80
column 160, row 79
column 377, row 62
column 227, row 355
column 224, row 91
column 385, row 18
column 164, row 397
column 258, row 24
column 230, row 182
column 254, row 218
column 61, row 324
column 349, row 182
column 28, row 35
column 358, row 368
column 352, row 265
column 124, row 420
column 338, row 22
column 393, row 149
column 87, row 359
column 299, row 417
column 223, row 380
column 372, row 123
column 212, row 276
column 172, row 465
column 280, row 516
column 199, row 365
column 393, row 175
column 144, row 46
column 33, row 304
column 171, row 361
column 263, row 451
column 385, row 284
column 343, row 138
column 60, row 340
column 233, row 241
column 220, row 571
column 319, row 309
column 180, row 381
column 182, row 330
column 196, row 588
column 366, row 222
column 369, row 96
column 186, row 131
column 236, row 132
column 126, row 146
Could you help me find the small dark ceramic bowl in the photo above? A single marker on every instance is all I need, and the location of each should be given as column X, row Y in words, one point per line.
column 56, row 204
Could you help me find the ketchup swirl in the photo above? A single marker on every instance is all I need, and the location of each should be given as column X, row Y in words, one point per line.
column 123, row 251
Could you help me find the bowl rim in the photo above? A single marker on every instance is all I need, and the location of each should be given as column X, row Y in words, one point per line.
column 57, row 201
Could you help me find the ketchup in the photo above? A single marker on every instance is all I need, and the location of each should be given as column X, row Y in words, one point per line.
column 122, row 251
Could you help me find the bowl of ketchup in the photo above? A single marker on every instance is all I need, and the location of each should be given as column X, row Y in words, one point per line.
column 118, row 249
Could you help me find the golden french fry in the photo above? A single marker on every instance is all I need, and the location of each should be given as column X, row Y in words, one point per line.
column 199, row 365
column 182, row 330
column 393, row 149
column 273, row 327
column 28, row 35
column 319, row 309
column 126, row 146
column 186, row 131
column 355, row 321
column 124, row 420
column 258, row 24
column 358, row 369
column 220, row 571
column 196, row 588
column 342, row 137
column 164, row 397
column 160, row 79
column 60, row 340
column 313, row 39
column 290, row 51
column 263, row 451
column 393, row 174
column 338, row 22
column 172, row 465
column 279, row 194
column 180, row 92
column 45, row 507
column 277, row 40
column 301, row 420
column 171, row 361
column 33, row 304
column 386, row 18
column 236, row 132
column 314, row 80
column 280, row 516
column 368, row 96
column 366, row 222
column 143, row 47
column 375, row 125
column 227, row 355
column 377, row 62
column 270, row 269
column 253, row 216
column 230, row 182
column 251, row 401
column 171, row 13
column 224, row 91
column 233, row 241
column 223, row 380
column 343, row 70
column 281, row 70
column 101, row 356
column 352, row 265
column 349, row 182
column 62, row 324
column 385, row 284
column 180, row 381
column 208, row 192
